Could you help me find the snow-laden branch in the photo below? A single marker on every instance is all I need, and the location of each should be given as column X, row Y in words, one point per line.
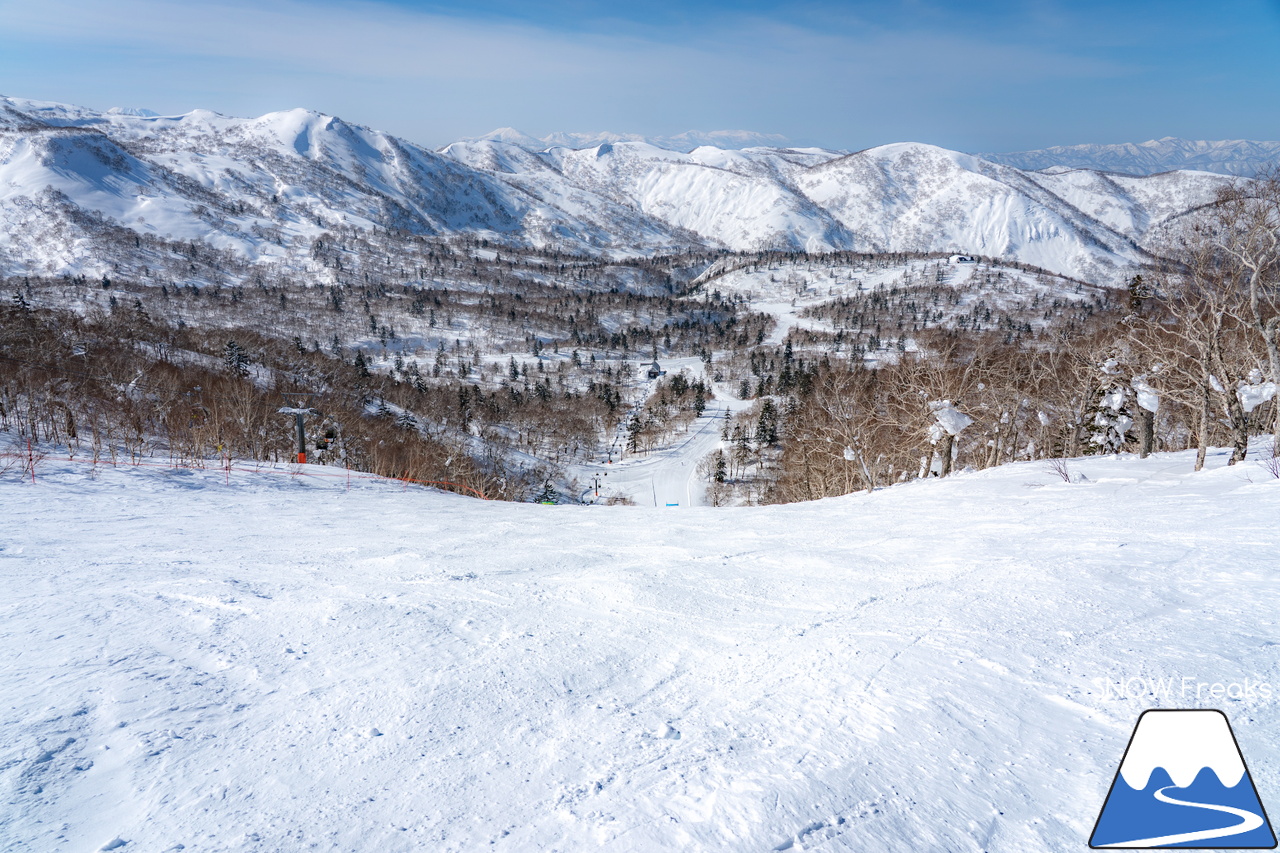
column 949, row 420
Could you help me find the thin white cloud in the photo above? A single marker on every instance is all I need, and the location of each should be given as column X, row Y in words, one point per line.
column 472, row 75
column 373, row 39
column 385, row 40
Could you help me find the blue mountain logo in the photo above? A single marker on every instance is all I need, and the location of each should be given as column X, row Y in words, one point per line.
column 1183, row 783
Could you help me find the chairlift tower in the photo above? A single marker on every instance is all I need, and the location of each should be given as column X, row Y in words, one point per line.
column 299, row 412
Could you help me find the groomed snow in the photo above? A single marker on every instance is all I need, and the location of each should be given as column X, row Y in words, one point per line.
column 278, row 663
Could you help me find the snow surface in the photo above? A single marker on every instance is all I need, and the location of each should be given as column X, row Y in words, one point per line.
column 205, row 661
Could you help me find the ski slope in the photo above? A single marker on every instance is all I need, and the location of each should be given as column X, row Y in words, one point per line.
column 665, row 476
column 202, row 662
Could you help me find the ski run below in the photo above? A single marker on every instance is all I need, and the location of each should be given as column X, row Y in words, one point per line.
column 213, row 661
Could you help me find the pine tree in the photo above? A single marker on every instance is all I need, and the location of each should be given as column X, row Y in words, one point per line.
column 767, row 425
column 634, row 426
column 548, row 495
column 236, row 359
column 1139, row 292
column 361, row 364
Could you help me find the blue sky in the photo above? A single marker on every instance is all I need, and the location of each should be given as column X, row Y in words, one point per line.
column 982, row 76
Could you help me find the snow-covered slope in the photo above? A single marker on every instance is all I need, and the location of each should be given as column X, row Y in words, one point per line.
column 912, row 197
column 726, row 201
column 245, row 184
column 76, row 184
column 1227, row 157
column 281, row 663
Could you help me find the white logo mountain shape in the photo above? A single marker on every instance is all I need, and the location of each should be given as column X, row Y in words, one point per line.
column 1182, row 781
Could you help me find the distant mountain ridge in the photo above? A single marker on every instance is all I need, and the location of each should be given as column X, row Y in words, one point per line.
column 729, row 140
column 75, row 183
column 1239, row 157
column 1234, row 157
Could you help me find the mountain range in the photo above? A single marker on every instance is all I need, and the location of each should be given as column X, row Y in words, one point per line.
column 1227, row 157
column 684, row 142
column 1234, row 157
column 263, row 189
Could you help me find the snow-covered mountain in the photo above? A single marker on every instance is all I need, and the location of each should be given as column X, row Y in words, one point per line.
column 78, row 186
column 1226, row 157
column 685, row 142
